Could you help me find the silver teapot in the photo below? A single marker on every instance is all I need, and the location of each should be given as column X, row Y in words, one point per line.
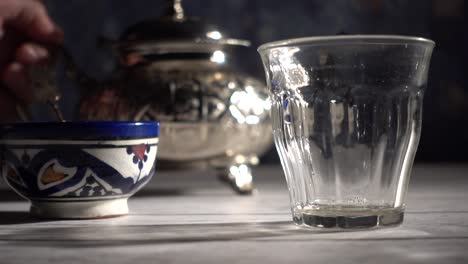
column 179, row 70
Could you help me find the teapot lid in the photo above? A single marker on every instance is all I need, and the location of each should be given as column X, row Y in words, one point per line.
column 176, row 31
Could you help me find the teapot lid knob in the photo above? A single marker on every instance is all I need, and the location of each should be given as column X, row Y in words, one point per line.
column 175, row 27
column 175, row 9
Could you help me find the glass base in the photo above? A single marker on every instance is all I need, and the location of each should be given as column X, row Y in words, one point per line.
column 350, row 219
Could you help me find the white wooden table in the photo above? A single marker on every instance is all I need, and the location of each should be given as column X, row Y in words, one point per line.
column 190, row 217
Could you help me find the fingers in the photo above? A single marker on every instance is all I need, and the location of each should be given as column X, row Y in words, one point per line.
column 16, row 80
column 8, row 106
column 15, row 75
column 20, row 21
column 31, row 18
column 31, row 53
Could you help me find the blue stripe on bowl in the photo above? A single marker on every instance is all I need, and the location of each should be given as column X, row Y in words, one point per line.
column 99, row 130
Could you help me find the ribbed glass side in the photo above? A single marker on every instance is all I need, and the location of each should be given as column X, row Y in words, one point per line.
column 347, row 155
column 346, row 117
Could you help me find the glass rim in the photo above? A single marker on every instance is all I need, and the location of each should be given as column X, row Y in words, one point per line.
column 338, row 39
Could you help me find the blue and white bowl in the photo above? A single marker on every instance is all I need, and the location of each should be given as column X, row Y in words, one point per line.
column 78, row 169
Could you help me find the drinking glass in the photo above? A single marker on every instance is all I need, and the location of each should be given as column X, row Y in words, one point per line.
column 346, row 114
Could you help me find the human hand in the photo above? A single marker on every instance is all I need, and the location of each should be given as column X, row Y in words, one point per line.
column 25, row 29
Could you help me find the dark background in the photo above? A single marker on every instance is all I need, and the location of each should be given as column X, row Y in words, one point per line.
column 445, row 127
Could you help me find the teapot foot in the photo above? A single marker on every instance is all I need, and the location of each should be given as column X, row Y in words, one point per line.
column 239, row 177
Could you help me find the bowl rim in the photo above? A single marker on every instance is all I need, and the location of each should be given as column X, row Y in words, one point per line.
column 79, row 130
column 346, row 39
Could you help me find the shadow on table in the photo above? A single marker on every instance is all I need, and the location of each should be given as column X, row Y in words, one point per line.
column 17, row 217
column 7, row 195
column 14, row 217
column 159, row 192
column 118, row 235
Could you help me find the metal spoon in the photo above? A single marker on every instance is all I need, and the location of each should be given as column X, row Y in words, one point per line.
column 44, row 87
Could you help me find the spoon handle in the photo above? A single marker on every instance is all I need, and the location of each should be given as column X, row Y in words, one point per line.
column 55, row 107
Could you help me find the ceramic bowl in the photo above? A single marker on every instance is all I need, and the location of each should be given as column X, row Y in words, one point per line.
column 78, row 169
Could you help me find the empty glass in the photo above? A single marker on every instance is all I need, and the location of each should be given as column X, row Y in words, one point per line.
column 346, row 116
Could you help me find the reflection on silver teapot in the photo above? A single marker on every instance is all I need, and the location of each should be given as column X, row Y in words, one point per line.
column 180, row 71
